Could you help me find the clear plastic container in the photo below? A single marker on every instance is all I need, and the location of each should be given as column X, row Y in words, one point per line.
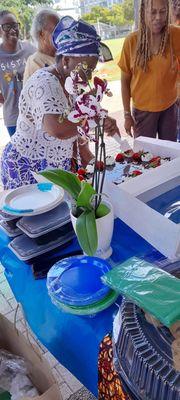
column 26, row 248
column 144, row 349
column 11, row 230
column 144, row 356
column 38, row 225
column 7, row 217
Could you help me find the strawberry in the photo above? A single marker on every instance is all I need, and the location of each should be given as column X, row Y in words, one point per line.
column 81, row 171
column 136, row 172
column 156, row 160
column 119, row 157
column 136, row 156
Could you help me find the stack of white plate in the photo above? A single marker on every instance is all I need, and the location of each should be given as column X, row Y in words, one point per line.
column 40, row 209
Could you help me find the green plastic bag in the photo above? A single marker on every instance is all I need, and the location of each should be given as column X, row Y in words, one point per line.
column 5, row 396
column 149, row 287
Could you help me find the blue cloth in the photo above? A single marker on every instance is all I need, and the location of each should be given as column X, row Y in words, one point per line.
column 78, row 38
column 16, row 169
column 11, row 130
column 73, row 340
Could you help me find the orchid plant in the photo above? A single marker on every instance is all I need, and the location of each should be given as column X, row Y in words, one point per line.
column 87, row 203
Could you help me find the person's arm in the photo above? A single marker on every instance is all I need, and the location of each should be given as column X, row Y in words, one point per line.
column 54, row 126
column 126, row 99
column 84, row 151
column 125, row 63
column 110, row 127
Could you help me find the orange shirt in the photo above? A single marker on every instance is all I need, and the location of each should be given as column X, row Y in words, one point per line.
column 156, row 89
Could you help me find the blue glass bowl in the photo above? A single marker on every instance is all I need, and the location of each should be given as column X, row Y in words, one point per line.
column 76, row 281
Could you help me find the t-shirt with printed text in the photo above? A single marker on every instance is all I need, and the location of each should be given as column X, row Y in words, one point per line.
column 12, row 67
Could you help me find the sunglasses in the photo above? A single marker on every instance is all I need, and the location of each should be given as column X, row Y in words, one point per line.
column 8, row 27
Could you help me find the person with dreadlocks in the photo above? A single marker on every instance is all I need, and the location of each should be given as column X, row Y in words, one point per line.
column 149, row 71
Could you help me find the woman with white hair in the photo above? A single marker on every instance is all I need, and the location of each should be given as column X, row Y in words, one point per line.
column 43, row 25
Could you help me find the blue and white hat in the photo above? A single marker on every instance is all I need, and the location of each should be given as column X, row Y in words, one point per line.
column 78, row 38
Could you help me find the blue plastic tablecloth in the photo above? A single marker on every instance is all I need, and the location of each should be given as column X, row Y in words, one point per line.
column 73, row 340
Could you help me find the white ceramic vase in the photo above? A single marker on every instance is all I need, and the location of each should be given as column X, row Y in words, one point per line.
column 104, row 227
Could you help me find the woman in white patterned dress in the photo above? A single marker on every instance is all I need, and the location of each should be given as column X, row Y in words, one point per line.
column 44, row 137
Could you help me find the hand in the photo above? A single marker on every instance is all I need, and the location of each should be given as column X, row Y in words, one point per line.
column 111, row 127
column 129, row 125
column 82, row 141
column 85, row 153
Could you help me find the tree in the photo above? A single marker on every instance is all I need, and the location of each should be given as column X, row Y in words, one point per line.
column 119, row 14
column 24, row 11
column 97, row 13
column 128, row 10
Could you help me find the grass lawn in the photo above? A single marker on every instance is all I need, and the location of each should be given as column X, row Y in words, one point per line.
column 115, row 45
column 110, row 70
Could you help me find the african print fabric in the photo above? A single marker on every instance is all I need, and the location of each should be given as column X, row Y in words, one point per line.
column 110, row 386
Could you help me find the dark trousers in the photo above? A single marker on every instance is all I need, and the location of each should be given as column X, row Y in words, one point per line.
column 161, row 124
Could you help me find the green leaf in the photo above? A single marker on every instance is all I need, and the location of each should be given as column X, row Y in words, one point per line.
column 85, row 195
column 67, row 180
column 102, row 210
column 87, row 233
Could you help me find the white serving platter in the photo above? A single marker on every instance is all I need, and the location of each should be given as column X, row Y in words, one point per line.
column 32, row 199
column 129, row 198
column 153, row 176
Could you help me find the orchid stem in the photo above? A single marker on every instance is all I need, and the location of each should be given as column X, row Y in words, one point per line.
column 100, row 156
column 95, row 181
column 103, row 156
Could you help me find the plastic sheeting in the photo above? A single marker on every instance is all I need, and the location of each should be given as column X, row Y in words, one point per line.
column 13, row 376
